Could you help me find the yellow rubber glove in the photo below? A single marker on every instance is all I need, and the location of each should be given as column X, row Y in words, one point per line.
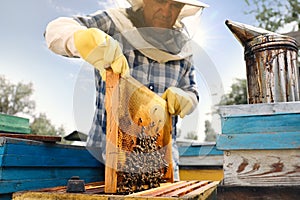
column 101, row 50
column 179, row 102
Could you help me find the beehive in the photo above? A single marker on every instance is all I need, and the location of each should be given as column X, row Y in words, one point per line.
column 14, row 124
column 138, row 137
column 27, row 164
column 261, row 144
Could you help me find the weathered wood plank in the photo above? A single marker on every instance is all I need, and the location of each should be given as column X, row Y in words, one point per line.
column 284, row 122
column 211, row 185
column 188, row 189
column 18, row 185
column 199, row 150
column 16, row 152
column 58, row 150
column 9, row 123
column 30, row 143
column 38, row 173
column 254, row 141
column 67, row 196
column 89, row 187
column 20, row 152
column 201, row 160
column 13, row 129
column 42, row 138
column 259, row 109
column 262, row 168
column 47, row 161
column 170, row 190
column 160, row 190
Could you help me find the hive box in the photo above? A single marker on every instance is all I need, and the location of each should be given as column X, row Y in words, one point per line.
column 261, row 144
column 200, row 161
column 13, row 124
column 28, row 165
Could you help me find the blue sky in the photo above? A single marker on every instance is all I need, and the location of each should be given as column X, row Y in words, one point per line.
column 25, row 58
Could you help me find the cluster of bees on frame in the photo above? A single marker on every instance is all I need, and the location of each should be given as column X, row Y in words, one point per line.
column 144, row 167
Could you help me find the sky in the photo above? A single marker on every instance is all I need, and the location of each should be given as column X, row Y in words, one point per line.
column 64, row 87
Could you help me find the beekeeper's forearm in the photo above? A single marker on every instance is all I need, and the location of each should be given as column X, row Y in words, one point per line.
column 59, row 36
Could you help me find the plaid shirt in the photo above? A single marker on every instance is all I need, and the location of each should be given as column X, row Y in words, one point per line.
column 156, row 76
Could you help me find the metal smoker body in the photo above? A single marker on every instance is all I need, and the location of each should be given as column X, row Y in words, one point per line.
column 271, row 64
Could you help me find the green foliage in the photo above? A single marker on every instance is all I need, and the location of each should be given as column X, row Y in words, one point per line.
column 274, row 14
column 15, row 98
column 191, row 135
column 210, row 134
column 238, row 94
column 42, row 126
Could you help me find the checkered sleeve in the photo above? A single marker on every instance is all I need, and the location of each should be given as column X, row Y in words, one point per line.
column 99, row 19
column 187, row 81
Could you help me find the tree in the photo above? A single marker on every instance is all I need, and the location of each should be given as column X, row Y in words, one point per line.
column 274, row 14
column 191, row 136
column 42, row 126
column 238, row 94
column 15, row 98
column 210, row 134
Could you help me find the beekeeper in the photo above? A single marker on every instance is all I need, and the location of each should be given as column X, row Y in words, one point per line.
column 147, row 41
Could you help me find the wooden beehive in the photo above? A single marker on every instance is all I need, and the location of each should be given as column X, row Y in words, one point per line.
column 135, row 112
column 261, row 144
column 200, row 161
column 14, row 124
column 27, row 164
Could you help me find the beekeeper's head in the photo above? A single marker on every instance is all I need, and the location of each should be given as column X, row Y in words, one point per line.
column 166, row 13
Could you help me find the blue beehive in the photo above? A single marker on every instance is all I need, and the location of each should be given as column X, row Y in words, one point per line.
column 28, row 165
column 200, row 161
column 261, row 144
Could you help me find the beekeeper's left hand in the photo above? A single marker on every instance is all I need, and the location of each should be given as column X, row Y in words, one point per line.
column 179, row 102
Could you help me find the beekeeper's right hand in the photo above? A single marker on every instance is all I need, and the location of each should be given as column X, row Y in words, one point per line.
column 101, row 51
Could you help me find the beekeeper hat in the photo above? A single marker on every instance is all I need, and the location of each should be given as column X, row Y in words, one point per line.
column 190, row 8
column 192, row 3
